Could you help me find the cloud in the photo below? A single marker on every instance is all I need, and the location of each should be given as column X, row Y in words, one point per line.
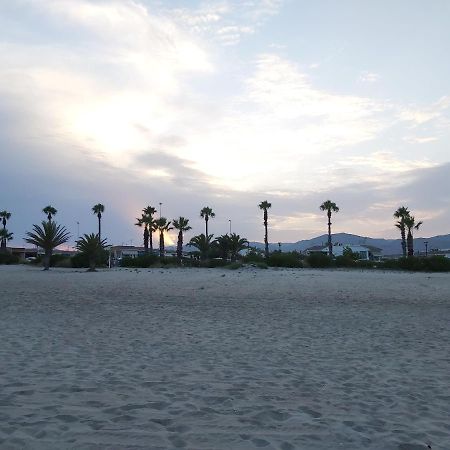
column 369, row 77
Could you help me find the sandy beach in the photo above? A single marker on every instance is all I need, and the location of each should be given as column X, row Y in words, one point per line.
column 218, row 359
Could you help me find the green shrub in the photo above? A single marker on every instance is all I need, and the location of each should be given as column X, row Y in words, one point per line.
column 288, row 259
column 211, row 263
column 7, row 258
column 437, row 264
column 65, row 262
column 364, row 264
column 345, row 261
column 319, row 260
column 262, row 265
column 254, row 256
column 430, row 264
column 142, row 261
column 79, row 261
column 233, row 266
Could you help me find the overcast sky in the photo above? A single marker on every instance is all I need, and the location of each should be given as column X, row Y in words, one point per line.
column 226, row 103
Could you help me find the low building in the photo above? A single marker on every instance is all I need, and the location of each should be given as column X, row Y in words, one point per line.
column 365, row 252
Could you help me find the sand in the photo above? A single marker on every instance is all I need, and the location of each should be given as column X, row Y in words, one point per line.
column 217, row 359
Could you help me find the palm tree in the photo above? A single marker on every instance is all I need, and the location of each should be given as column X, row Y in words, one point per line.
column 181, row 224
column 144, row 222
column 91, row 246
column 265, row 205
column 202, row 243
column 4, row 215
column 48, row 236
column 236, row 245
column 50, row 212
column 207, row 213
column 329, row 207
column 402, row 213
column 162, row 226
column 410, row 224
column 149, row 211
column 222, row 243
column 99, row 209
column 5, row 236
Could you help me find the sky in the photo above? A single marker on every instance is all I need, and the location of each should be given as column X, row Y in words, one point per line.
column 225, row 104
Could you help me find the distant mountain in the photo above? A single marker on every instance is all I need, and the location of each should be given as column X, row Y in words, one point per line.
column 388, row 246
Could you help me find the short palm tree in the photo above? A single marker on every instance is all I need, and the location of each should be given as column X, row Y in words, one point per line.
column 5, row 216
column 163, row 226
column 149, row 211
column 181, row 224
column 329, row 207
column 91, row 246
column 202, row 243
column 207, row 213
column 50, row 212
column 401, row 214
column 222, row 244
column 99, row 209
column 48, row 237
column 5, row 236
column 410, row 224
column 236, row 245
column 265, row 205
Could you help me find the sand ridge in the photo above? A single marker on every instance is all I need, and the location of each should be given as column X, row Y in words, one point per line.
column 218, row 359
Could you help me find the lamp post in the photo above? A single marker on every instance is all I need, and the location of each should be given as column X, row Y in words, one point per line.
column 160, row 204
column 229, row 220
column 426, row 248
column 78, row 230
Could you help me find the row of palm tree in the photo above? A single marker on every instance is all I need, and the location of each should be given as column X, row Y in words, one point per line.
column 406, row 223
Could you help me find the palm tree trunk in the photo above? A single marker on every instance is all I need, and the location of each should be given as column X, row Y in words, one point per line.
column 161, row 244
column 403, row 235
column 92, row 263
column 180, row 246
column 46, row 260
column 99, row 226
column 266, row 239
column 410, row 244
column 146, row 239
column 150, row 235
column 206, row 226
column 330, row 245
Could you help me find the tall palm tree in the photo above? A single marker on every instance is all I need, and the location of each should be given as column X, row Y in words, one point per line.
column 5, row 216
column 202, row 243
column 50, row 212
column 5, row 236
column 222, row 244
column 181, row 224
column 402, row 213
column 329, row 207
column 91, row 246
column 410, row 224
column 265, row 205
column 236, row 245
column 163, row 226
column 48, row 236
column 207, row 213
column 149, row 211
column 99, row 209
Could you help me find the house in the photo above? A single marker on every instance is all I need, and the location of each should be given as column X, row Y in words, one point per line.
column 365, row 252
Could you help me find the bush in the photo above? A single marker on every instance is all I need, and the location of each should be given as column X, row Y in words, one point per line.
column 437, row 264
column 262, row 265
column 364, row 264
column 254, row 256
column 142, row 261
column 233, row 266
column 289, row 259
column 430, row 264
column 345, row 261
column 7, row 258
column 319, row 260
column 79, row 261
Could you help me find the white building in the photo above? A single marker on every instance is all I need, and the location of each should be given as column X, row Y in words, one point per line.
column 365, row 252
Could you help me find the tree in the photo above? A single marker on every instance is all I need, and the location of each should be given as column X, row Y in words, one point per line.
column 50, row 212
column 181, row 224
column 99, row 209
column 329, row 207
column 222, row 243
column 48, row 237
column 202, row 243
column 92, row 247
column 402, row 213
column 5, row 236
column 236, row 245
column 143, row 221
column 410, row 224
column 149, row 211
column 163, row 226
column 265, row 205
column 5, row 216
column 207, row 213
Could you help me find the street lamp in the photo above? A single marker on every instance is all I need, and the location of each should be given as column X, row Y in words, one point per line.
column 426, row 248
column 160, row 204
column 229, row 220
